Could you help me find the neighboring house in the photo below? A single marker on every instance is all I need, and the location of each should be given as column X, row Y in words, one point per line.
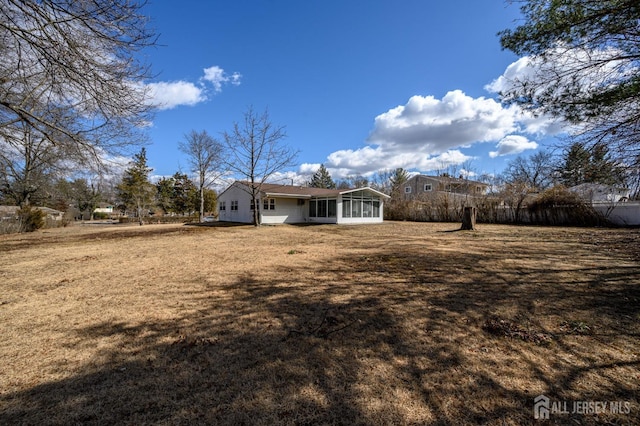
column 297, row 204
column 11, row 212
column 599, row 193
column 421, row 186
column 51, row 214
column 104, row 208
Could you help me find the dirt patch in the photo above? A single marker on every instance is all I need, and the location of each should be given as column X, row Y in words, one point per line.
column 398, row 323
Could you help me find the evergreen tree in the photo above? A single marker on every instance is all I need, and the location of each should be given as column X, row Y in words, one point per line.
column 178, row 194
column 322, row 179
column 582, row 165
column 210, row 200
column 185, row 194
column 164, row 195
column 135, row 190
column 397, row 180
column 584, row 56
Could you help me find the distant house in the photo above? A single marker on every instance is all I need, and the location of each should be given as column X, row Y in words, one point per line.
column 51, row 214
column 297, row 204
column 422, row 186
column 104, row 208
column 11, row 213
column 599, row 193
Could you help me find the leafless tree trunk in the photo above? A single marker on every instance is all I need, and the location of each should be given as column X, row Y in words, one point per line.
column 257, row 153
column 207, row 160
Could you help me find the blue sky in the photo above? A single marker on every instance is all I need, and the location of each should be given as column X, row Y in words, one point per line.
column 360, row 85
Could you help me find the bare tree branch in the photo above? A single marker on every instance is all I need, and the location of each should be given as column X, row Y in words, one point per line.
column 257, row 152
column 206, row 157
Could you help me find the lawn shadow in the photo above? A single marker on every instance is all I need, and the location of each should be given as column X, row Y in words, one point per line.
column 393, row 336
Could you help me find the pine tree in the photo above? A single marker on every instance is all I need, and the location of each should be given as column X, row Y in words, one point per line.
column 397, row 180
column 583, row 57
column 582, row 165
column 322, row 179
column 135, row 190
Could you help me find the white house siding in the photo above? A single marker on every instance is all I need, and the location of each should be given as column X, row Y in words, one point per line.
column 288, row 210
column 352, row 220
column 244, row 213
column 293, row 208
column 598, row 193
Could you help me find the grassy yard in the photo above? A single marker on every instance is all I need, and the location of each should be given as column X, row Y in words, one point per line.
column 398, row 323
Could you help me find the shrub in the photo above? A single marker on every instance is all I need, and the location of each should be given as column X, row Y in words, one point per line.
column 30, row 219
column 559, row 206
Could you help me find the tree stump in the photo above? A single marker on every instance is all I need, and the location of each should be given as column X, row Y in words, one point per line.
column 469, row 219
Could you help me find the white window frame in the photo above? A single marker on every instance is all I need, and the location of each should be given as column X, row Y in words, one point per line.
column 407, row 190
column 428, row 187
column 269, row 204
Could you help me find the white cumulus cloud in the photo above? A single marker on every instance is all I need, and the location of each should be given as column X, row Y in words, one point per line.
column 512, row 144
column 217, row 77
column 171, row 94
column 432, row 125
column 168, row 95
column 426, row 134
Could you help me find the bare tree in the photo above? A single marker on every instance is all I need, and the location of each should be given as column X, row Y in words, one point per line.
column 206, row 157
column 536, row 171
column 69, row 72
column 28, row 161
column 257, row 153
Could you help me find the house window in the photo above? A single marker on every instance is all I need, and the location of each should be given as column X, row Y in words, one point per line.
column 356, row 208
column 269, row 204
column 223, row 205
column 346, row 207
column 367, row 208
column 253, row 206
column 358, row 204
column 428, row 187
column 333, row 209
column 407, row 190
column 323, row 208
column 234, row 205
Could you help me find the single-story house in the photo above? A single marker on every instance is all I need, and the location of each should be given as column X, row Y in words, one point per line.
column 298, row 204
column 11, row 212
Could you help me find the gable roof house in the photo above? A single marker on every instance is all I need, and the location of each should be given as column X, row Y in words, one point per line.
column 297, row 204
column 422, row 186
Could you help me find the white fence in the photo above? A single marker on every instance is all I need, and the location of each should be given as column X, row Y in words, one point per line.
column 623, row 214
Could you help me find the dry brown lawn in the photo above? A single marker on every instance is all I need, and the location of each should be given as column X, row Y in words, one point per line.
column 398, row 323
